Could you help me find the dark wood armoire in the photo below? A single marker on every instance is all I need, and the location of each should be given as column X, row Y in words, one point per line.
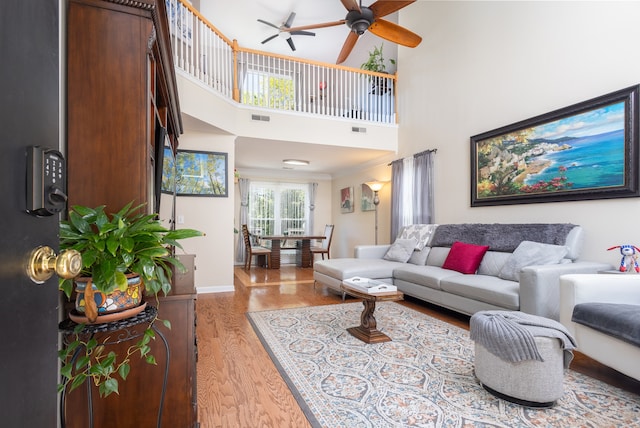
column 122, row 104
column 121, row 91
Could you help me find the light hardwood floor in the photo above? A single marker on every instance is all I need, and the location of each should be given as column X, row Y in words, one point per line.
column 238, row 385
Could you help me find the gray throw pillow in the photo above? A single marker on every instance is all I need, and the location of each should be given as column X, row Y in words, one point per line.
column 530, row 253
column 400, row 250
column 492, row 263
column 420, row 257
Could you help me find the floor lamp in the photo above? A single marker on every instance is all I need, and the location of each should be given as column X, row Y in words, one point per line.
column 375, row 186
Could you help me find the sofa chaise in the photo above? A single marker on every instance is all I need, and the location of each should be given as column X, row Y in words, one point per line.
column 602, row 313
column 471, row 267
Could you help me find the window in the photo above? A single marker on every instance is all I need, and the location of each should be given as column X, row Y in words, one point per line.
column 278, row 208
column 412, row 195
column 268, row 89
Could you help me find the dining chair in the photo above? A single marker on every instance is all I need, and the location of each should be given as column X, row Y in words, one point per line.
column 253, row 250
column 325, row 245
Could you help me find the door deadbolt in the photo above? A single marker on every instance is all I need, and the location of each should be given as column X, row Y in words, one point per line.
column 43, row 263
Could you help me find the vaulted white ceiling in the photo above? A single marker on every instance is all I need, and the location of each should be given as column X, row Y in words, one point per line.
column 238, row 19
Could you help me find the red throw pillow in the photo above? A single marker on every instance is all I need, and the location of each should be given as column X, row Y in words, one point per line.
column 465, row 258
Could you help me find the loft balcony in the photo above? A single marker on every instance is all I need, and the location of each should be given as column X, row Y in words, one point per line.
column 259, row 80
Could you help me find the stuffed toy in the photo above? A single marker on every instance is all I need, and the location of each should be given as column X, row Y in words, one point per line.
column 629, row 257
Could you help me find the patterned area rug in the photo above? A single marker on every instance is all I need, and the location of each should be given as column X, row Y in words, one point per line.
column 423, row 377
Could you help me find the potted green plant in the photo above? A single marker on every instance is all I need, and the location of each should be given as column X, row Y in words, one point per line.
column 114, row 249
column 376, row 63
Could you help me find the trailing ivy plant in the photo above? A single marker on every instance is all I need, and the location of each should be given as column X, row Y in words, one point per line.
column 101, row 367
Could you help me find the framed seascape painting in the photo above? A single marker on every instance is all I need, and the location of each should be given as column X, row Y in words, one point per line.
column 346, row 200
column 585, row 151
column 366, row 203
column 196, row 173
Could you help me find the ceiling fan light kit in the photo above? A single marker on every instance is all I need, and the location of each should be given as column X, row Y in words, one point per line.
column 359, row 21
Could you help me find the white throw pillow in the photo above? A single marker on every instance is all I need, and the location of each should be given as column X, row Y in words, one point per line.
column 400, row 250
column 531, row 253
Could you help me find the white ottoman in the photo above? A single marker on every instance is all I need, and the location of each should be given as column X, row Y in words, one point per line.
column 529, row 383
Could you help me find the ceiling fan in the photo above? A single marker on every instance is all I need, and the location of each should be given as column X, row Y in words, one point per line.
column 362, row 18
column 286, row 29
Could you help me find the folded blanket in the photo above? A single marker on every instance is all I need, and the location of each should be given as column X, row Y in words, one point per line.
column 510, row 335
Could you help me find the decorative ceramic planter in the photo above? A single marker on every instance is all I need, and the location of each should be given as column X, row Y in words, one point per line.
column 117, row 301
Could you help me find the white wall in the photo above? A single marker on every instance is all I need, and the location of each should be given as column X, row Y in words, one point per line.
column 213, row 216
column 358, row 227
column 481, row 66
column 484, row 65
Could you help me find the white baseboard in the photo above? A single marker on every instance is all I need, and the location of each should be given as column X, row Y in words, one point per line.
column 215, row 289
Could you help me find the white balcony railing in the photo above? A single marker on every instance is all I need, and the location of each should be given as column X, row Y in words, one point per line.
column 276, row 82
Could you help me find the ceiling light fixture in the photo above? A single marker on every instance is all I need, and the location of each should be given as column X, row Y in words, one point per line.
column 296, row 162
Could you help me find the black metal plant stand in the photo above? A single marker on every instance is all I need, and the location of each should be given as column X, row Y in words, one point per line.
column 129, row 332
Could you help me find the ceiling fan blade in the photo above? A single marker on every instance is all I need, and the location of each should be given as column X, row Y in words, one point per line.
column 269, row 24
column 291, row 45
column 351, row 5
column 395, row 33
column 302, row 33
column 314, row 26
column 290, row 19
column 385, row 7
column 269, row 38
column 352, row 38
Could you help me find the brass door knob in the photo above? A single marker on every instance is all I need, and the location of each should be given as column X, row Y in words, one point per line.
column 43, row 263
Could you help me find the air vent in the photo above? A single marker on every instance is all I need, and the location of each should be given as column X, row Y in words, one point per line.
column 260, row 118
column 357, row 129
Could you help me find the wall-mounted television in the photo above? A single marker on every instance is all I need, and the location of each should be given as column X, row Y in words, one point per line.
column 195, row 173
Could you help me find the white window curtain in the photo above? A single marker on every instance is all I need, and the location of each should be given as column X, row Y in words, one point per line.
column 423, row 184
column 243, row 184
column 412, row 191
column 397, row 184
column 313, row 188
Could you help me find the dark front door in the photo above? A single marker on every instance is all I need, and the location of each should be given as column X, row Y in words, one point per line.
column 29, row 115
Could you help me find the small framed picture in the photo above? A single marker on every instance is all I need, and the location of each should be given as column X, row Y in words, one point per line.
column 346, row 200
column 366, row 203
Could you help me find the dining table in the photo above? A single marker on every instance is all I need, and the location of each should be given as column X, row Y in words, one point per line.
column 303, row 258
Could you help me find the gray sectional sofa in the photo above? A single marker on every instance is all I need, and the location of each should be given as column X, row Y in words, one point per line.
column 519, row 271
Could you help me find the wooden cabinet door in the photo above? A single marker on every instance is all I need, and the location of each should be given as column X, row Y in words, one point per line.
column 137, row 404
column 108, row 104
